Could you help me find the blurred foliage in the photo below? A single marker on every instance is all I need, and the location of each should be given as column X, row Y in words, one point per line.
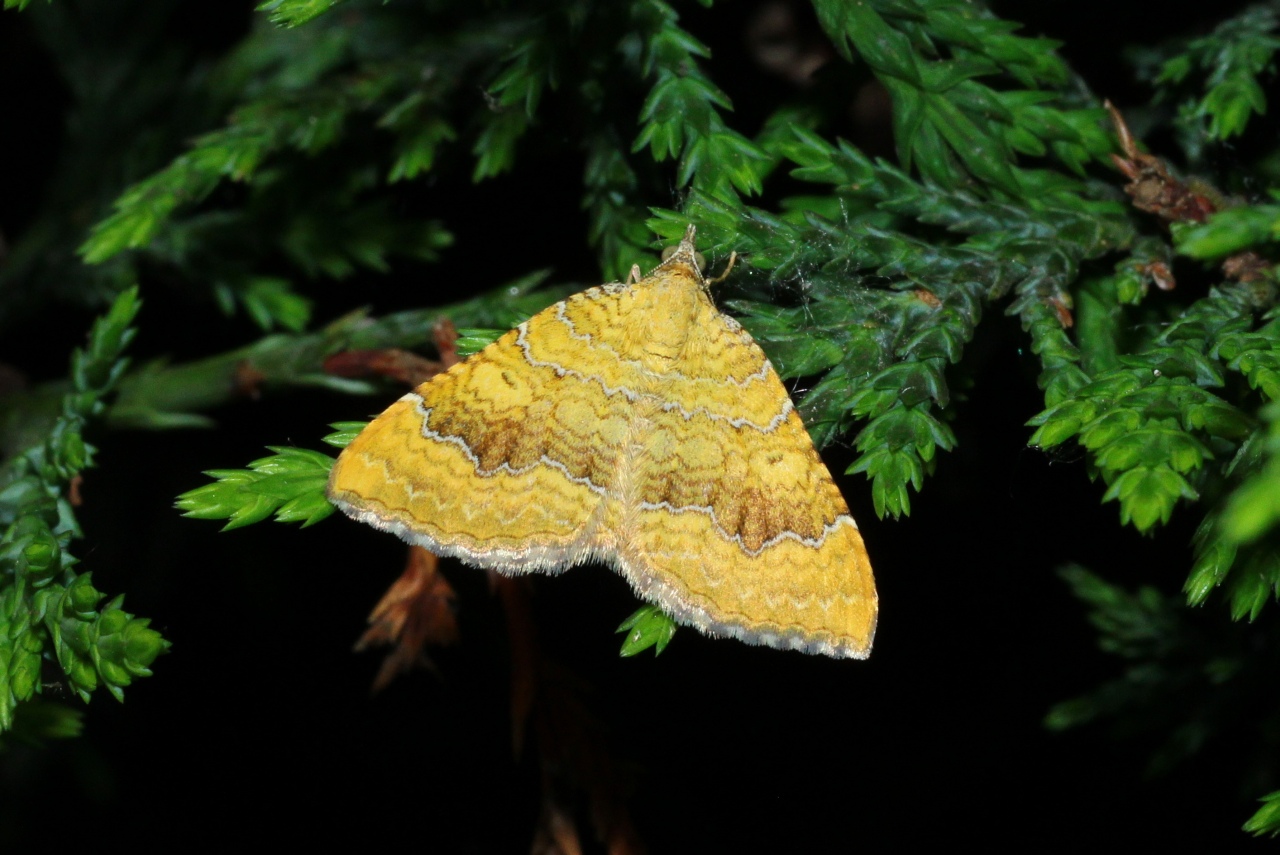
column 1181, row 688
column 1219, row 80
column 869, row 278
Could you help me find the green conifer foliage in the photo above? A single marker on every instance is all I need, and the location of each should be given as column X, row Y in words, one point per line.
column 868, row 277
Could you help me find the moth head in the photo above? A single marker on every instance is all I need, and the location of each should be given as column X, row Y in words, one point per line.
column 698, row 257
column 686, row 253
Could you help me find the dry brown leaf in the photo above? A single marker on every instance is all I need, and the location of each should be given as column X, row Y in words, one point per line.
column 416, row 610
column 1156, row 191
column 1152, row 187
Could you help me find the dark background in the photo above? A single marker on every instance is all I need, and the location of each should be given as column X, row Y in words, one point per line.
column 259, row 724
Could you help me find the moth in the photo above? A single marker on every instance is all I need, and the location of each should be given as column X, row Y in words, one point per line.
column 635, row 425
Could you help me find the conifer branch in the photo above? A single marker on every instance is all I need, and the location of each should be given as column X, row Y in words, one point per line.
column 49, row 611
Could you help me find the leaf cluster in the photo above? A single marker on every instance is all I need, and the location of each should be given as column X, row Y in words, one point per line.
column 341, row 101
column 50, row 612
column 288, row 485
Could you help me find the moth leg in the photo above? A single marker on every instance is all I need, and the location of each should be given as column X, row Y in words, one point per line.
column 733, row 256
